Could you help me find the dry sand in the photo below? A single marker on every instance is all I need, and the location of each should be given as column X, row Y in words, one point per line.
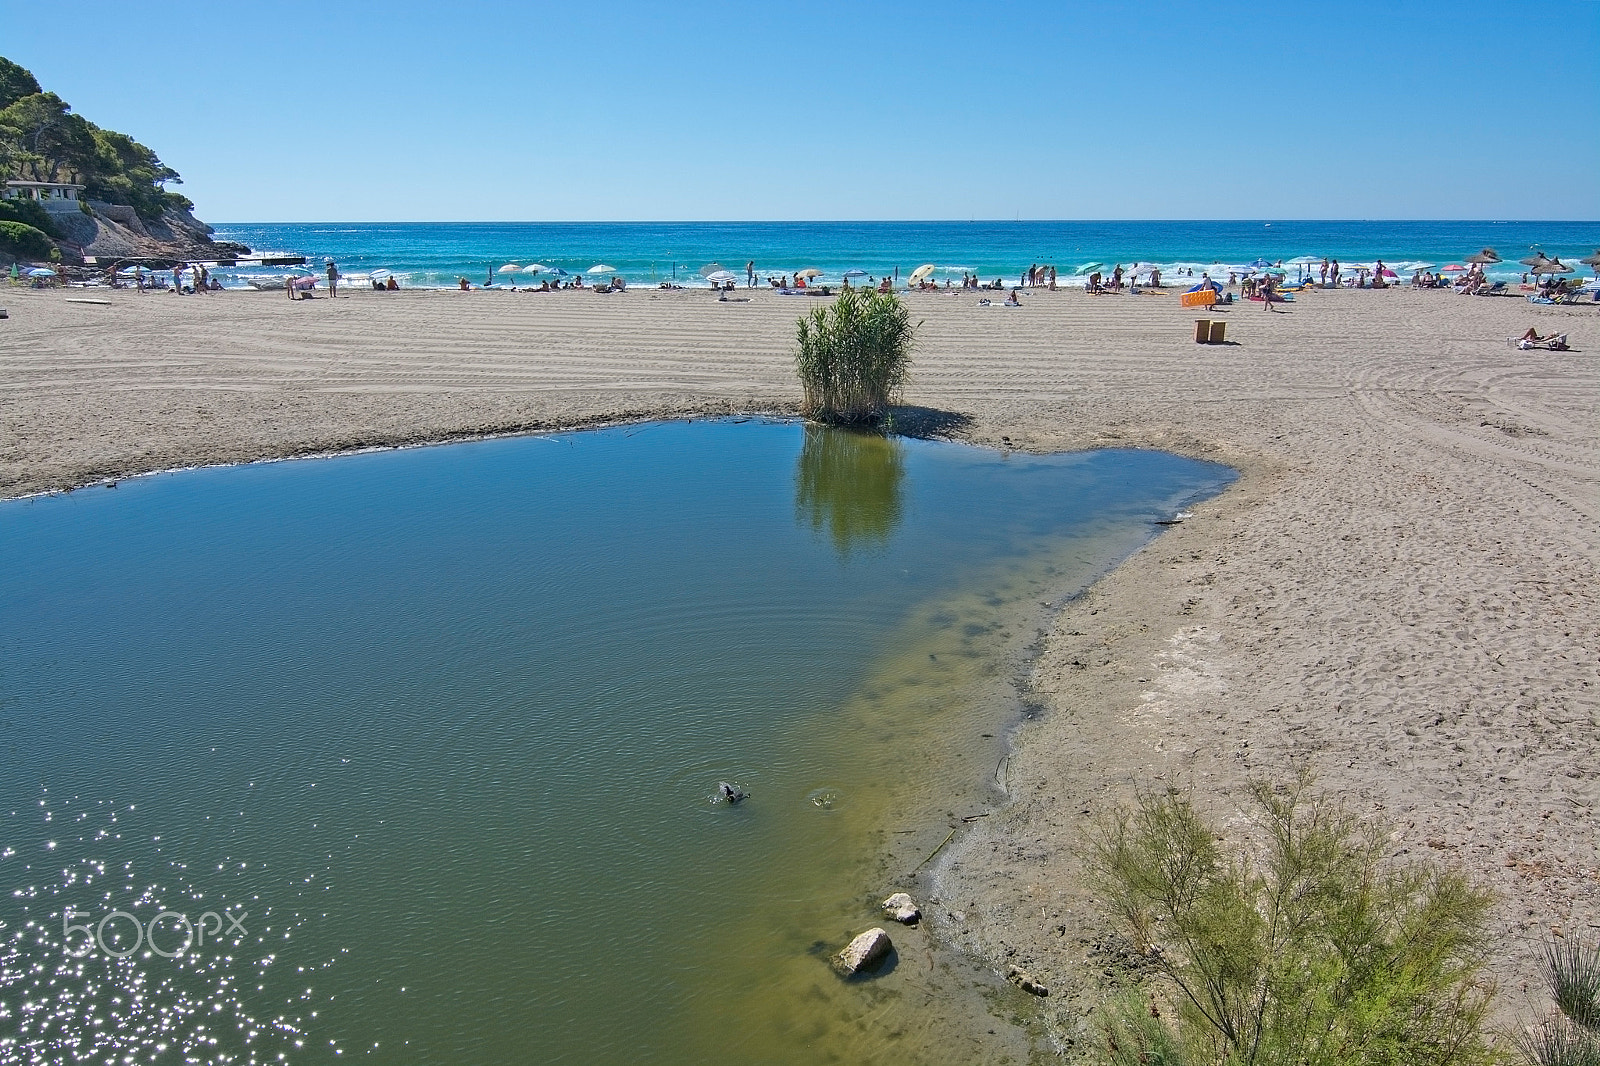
column 1400, row 592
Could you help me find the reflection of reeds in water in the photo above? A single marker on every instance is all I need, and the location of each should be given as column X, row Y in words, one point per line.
column 848, row 482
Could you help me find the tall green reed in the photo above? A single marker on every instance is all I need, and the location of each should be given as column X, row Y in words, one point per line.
column 854, row 357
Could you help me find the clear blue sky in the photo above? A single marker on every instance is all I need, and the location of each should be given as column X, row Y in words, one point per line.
column 605, row 109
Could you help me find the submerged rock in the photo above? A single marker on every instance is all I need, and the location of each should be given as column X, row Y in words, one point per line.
column 1024, row 980
column 862, row 953
column 902, row 908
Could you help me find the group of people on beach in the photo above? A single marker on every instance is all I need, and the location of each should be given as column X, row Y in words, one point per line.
column 187, row 280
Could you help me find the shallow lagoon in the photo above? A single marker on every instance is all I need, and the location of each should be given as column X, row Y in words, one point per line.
column 449, row 722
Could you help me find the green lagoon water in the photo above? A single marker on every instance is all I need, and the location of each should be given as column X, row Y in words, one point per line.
column 448, row 724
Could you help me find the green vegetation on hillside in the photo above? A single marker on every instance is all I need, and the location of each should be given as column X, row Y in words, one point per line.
column 42, row 140
column 20, row 241
column 29, row 213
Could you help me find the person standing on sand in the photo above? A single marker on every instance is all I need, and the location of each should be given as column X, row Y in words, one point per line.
column 1333, row 273
column 333, row 280
column 1323, row 272
column 750, row 274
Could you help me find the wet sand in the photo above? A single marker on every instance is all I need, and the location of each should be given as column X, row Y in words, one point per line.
column 1400, row 593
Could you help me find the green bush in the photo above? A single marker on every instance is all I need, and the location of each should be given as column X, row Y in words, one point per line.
column 1571, row 1037
column 1573, row 973
column 22, row 241
column 854, row 356
column 29, row 213
column 1558, row 1041
column 1316, row 952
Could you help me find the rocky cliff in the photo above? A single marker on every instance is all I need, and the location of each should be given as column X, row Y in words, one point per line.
column 115, row 231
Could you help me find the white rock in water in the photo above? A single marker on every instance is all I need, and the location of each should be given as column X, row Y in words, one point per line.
column 862, row 953
column 902, row 908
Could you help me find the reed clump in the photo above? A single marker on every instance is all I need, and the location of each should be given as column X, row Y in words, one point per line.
column 854, row 357
column 1307, row 948
column 1571, row 1036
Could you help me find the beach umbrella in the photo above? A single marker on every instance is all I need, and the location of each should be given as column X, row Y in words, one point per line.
column 1089, row 268
column 534, row 268
column 1551, row 266
column 381, row 274
column 1453, row 268
column 922, row 271
column 1591, row 260
column 721, row 277
column 1488, row 255
column 710, row 269
column 808, row 272
column 41, row 272
column 1262, row 264
column 556, row 272
column 602, row 268
column 1534, row 260
column 510, row 268
column 855, row 272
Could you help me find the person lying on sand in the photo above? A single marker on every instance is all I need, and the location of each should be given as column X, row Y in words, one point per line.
column 1556, row 342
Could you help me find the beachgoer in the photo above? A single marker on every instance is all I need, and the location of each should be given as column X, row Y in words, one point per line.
column 1322, row 272
column 463, row 284
column 750, row 274
column 333, row 280
column 1052, row 279
column 391, row 285
column 1333, row 273
column 1116, row 277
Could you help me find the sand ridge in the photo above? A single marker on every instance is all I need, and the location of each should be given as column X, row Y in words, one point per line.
column 1400, row 592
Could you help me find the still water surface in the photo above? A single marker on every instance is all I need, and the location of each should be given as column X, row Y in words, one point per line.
column 447, row 724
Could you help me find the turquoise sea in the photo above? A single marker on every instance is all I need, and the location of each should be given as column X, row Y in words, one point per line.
column 437, row 253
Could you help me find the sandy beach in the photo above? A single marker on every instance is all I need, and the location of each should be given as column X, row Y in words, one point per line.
column 1400, row 593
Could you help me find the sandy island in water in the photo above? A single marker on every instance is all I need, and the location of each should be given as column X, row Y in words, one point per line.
column 1400, row 592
